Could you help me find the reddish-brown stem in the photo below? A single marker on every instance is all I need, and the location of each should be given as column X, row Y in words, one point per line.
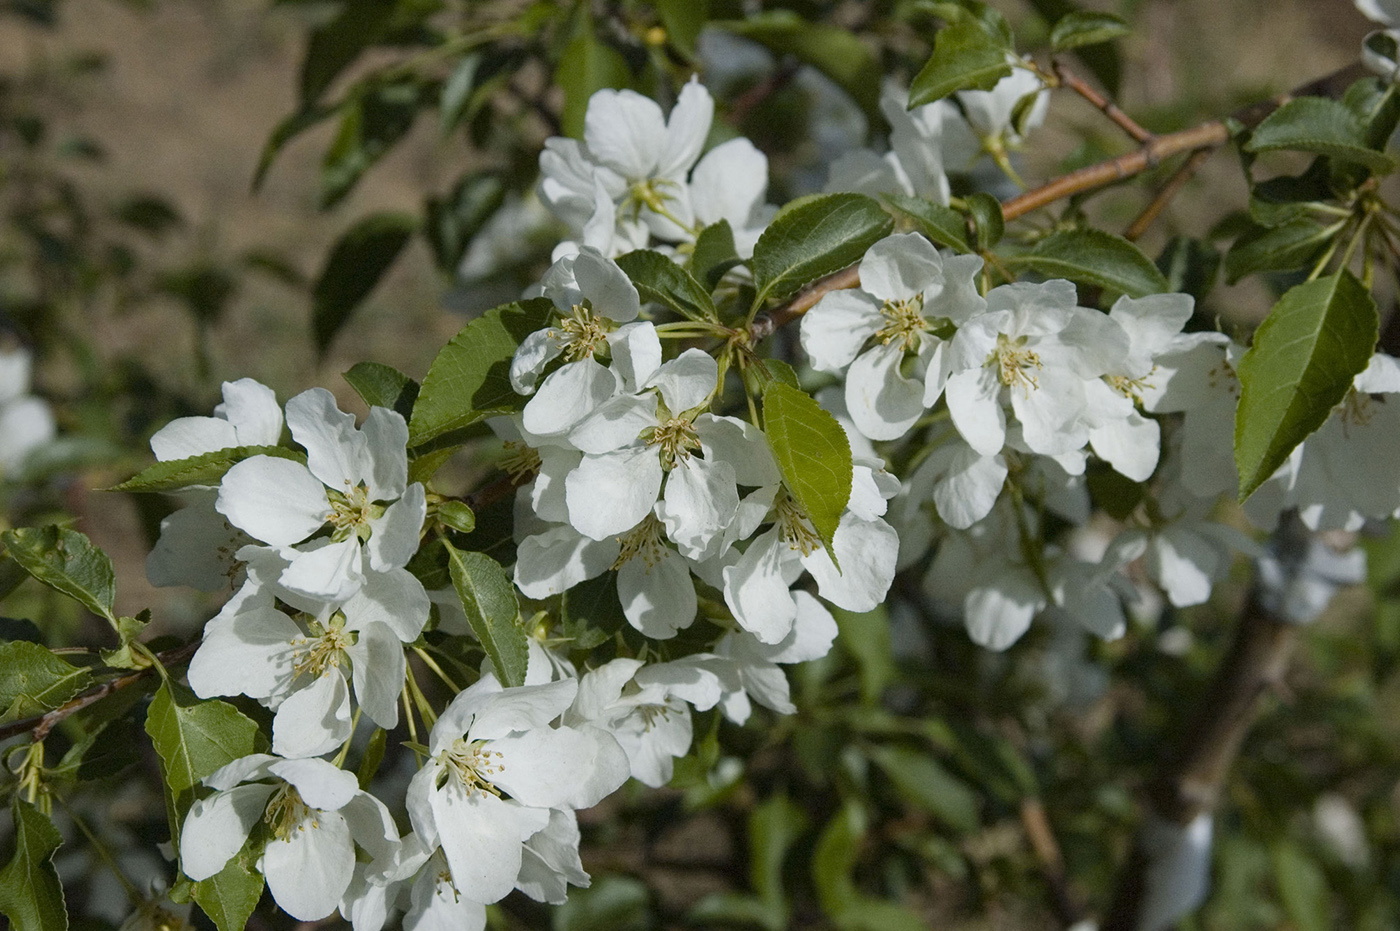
column 41, row 724
column 765, row 325
column 1169, row 190
column 1074, row 82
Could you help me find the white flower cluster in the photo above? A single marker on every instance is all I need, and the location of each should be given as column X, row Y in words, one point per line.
column 26, row 422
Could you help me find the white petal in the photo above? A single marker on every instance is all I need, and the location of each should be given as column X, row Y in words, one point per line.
column 385, row 468
column 395, row 598
column 191, row 436
column 881, row 401
column 314, row 720
column 636, row 353
column 700, row 503
column 729, row 183
column 332, row 572
column 972, row 397
column 481, row 837
column 319, row 783
column 611, row 493
column 378, row 672
column 561, row 767
column 658, row 599
column 567, row 395
column 1131, row 446
column 218, row 826
column 615, row 423
column 555, row 561
column 686, row 130
column 335, row 450
column 813, row 632
column 742, row 445
column 1184, row 564
column 867, row 550
column 534, row 353
column 625, row 131
column 756, row 588
column 276, row 501
column 393, row 536
column 248, row 653
column 606, row 286
column 900, row 267
column 999, row 612
column 496, row 714
column 253, row 410
column 834, row 330
column 309, row 871
column 966, row 483
column 687, row 380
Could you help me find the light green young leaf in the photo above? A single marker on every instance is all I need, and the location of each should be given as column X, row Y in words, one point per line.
column 923, row 782
column 813, row 455
column 1315, row 341
column 587, row 65
column 67, row 561
column 206, row 469
column 661, row 280
column 815, row 238
column 358, row 260
column 966, row 56
column 230, row 895
column 488, row 598
column 30, row 893
column 1316, row 124
column 1084, row 27
column 1289, row 245
column 943, row 225
column 1094, row 257
column 470, row 378
column 380, row 385
column 33, row 680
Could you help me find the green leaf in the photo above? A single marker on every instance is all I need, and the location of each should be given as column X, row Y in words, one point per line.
column 683, row 20
column 128, row 629
column 335, row 45
column 815, row 238
column 774, row 826
column 357, row 261
column 1287, row 197
column 12, row 574
column 193, row 737
column 988, row 223
column 867, row 638
column 612, row 903
column 661, row 280
column 714, row 254
column 836, row 52
column 453, row 220
column 587, row 66
column 1316, row 339
column 965, row 57
column 1284, row 247
column 591, row 612
column 488, row 598
column 457, row 515
column 230, row 895
column 1303, row 887
column 30, row 893
column 943, row 225
column 374, row 755
column 834, row 860
column 285, row 131
column 33, row 680
column 206, row 469
column 470, row 378
column 1316, row 124
column 457, row 92
column 380, row 385
column 1094, row 257
column 923, row 782
column 67, row 561
column 813, row 455
column 1085, row 28
column 1190, row 266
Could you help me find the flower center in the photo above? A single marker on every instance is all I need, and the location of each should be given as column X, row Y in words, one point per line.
column 1357, row 408
column 1015, row 362
column 794, row 526
column 286, row 813
column 351, row 513
column 473, row 765
column 644, row 540
column 650, row 192
column 315, row 654
column 1130, row 388
column 521, row 462
column 651, row 714
column 676, row 438
column 583, row 333
column 905, row 322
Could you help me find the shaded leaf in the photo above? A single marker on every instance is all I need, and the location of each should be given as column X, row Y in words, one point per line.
column 923, row 782
column 867, row 638
column 284, row 132
column 357, row 261
column 371, row 123
column 335, row 45
column 470, row 378
column 591, row 612
column 34, row 680
column 943, row 225
column 205, row 469
column 1316, row 339
column 65, row 560
column 815, row 238
column 380, row 385
column 1083, row 27
column 30, row 893
column 453, row 220
column 1316, row 124
column 683, row 20
column 230, row 895
column 1303, row 887
column 813, row 455
column 988, row 223
column 714, row 254
column 457, row 92
column 1286, row 246
column 1094, row 257
column 488, row 598
column 661, row 280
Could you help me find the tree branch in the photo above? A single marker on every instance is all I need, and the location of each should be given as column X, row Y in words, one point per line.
column 1109, row 109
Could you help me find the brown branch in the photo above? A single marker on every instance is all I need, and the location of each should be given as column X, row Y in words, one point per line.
column 766, row 324
column 1052, row 863
column 41, row 724
column 1169, row 190
column 1109, row 109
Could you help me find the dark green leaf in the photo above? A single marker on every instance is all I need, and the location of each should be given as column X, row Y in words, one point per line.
column 1316, row 124
column 457, row 91
column 11, row 575
column 284, row 132
column 835, row 52
column 453, row 220
column 1094, row 257
column 204, row 289
column 33, row 680
column 358, row 260
column 374, row 755
column 380, row 385
column 813, row 454
column 1316, row 339
column 105, row 749
column 457, row 515
column 206, row 469
column 612, row 903
column 30, row 893
column 834, row 860
column 488, row 598
column 587, row 65
column 1190, row 266
column 1288, row 246
column 470, row 378
column 1085, row 28
column 965, row 57
column 774, row 826
column 988, row 223
column 129, row 629
column 1102, row 60
column 67, row 561
column 714, row 254
column 591, row 612
column 867, row 638
column 943, row 225
column 1286, row 197
column 230, row 895
column 372, row 122
column 335, row 45
column 150, row 214
column 659, row 279
column 815, row 238
column 923, row 782
column 683, row 20
column 1303, row 886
